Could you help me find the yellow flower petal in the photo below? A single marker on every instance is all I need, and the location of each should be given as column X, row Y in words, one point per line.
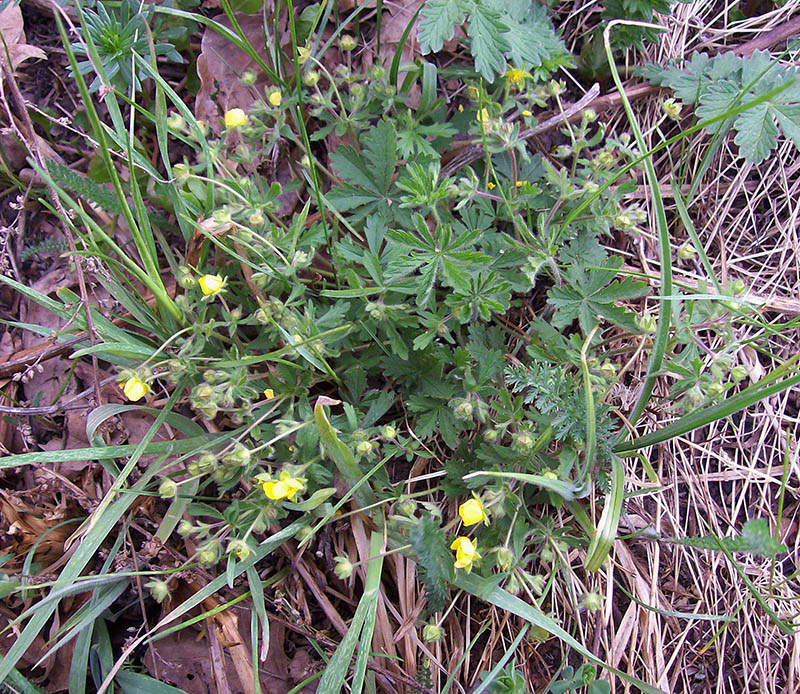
column 235, row 118
column 135, row 389
column 276, row 490
column 269, row 393
column 275, row 97
column 472, row 512
column 211, row 285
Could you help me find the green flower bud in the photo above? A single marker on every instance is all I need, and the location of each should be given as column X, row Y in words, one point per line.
column 388, row 432
column 523, row 442
column 463, row 411
column 176, row 122
column 311, row 78
column 739, row 373
column 208, row 410
column 185, row 277
column 239, row 456
column 208, row 552
column 686, row 251
column 715, row 389
column 377, row 72
column 259, row 524
column 248, row 78
column 432, row 633
column 608, row 370
column 185, row 528
column 364, row 448
column 591, row 601
column 343, row 568
column 504, row 558
column 168, row 489
column 159, row 590
column 647, row 324
column 407, row 507
column 304, row 534
column 181, row 173
column 537, row 583
column 672, row 108
column 347, row 43
column 491, row 435
column 547, row 555
column 738, row 287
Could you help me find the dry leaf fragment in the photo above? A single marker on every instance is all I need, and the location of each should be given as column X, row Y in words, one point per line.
column 13, row 35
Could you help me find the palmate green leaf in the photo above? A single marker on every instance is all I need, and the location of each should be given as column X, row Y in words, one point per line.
column 437, row 22
column 367, row 174
column 531, row 38
column 487, row 41
column 587, row 296
column 727, row 82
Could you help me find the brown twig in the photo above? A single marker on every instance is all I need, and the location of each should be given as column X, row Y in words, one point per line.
column 473, row 153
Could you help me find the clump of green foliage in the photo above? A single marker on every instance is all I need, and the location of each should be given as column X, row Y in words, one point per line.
column 476, row 320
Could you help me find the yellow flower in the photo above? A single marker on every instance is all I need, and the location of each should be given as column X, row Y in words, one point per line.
column 521, row 183
column 275, row 97
column 483, row 117
column 135, row 388
column 472, row 511
column 276, row 490
column 211, row 285
column 516, row 77
column 490, row 185
column 235, row 118
column 269, row 393
column 461, row 108
column 285, row 487
column 466, row 553
column 527, row 114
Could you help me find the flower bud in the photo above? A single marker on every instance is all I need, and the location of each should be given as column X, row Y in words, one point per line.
column 347, row 43
column 504, row 558
column 240, row 548
column 407, row 507
column 311, row 78
column 364, row 448
column 185, row 528
column 388, row 432
column 159, row 590
column 686, row 251
column 739, row 373
column 248, row 78
column 343, row 568
column 523, row 442
column 304, row 534
column 537, row 583
column 463, row 411
column 491, row 435
column 168, row 489
column 592, row 601
column 432, row 632
column 647, row 324
column 208, row 553
column 240, row 456
column 377, row 72
column 176, row 122
column 672, row 108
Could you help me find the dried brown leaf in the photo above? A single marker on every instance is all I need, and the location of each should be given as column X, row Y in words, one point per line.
column 15, row 49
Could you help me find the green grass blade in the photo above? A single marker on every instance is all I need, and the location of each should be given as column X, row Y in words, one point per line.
column 341, row 454
column 606, row 532
column 488, row 591
column 665, row 254
column 333, row 678
column 764, row 388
